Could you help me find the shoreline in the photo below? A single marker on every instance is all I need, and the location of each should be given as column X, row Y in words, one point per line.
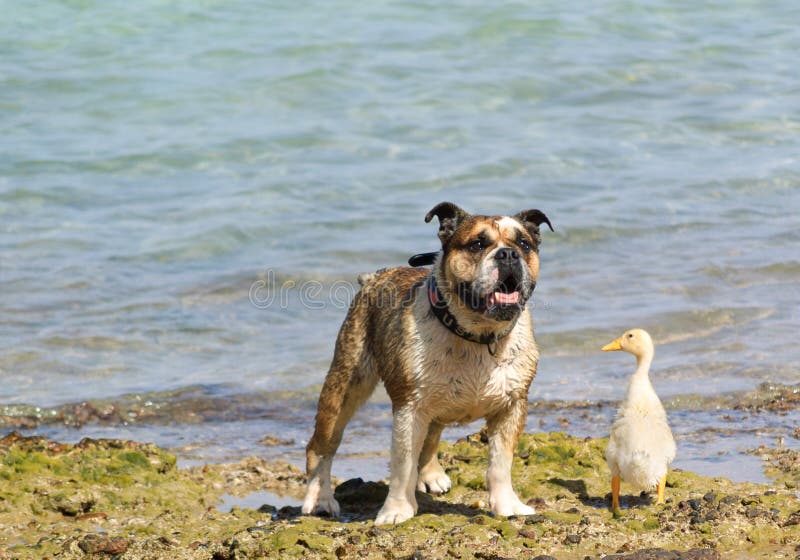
column 203, row 425
column 103, row 498
column 199, row 403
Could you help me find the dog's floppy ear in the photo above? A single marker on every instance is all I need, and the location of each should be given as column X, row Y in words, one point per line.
column 532, row 219
column 449, row 216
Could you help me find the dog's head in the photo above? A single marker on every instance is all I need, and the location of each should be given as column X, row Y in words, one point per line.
column 489, row 265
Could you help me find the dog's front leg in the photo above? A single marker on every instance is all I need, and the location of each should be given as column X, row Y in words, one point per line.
column 408, row 433
column 504, row 430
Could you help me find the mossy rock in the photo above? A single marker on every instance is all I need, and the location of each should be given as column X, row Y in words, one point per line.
column 356, row 491
column 55, row 496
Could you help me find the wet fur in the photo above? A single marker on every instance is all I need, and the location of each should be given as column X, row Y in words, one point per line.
column 432, row 376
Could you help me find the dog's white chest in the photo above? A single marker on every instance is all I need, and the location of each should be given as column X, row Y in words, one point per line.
column 458, row 381
column 462, row 388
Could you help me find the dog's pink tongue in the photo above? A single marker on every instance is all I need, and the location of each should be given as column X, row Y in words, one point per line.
column 503, row 298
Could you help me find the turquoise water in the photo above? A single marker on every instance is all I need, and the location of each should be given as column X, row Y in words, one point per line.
column 160, row 159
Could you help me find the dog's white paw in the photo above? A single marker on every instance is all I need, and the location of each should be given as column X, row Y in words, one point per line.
column 395, row 513
column 317, row 502
column 434, row 481
column 523, row 509
column 508, row 505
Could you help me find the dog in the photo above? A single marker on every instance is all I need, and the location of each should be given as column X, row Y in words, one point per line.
column 451, row 345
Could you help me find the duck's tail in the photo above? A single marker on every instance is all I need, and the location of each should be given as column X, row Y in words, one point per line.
column 644, row 471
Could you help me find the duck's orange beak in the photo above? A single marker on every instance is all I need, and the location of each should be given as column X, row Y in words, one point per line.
column 611, row 346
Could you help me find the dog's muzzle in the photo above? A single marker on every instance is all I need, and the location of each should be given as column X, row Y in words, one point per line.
column 504, row 292
column 507, row 290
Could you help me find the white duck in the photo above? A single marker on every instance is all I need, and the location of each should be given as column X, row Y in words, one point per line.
column 641, row 446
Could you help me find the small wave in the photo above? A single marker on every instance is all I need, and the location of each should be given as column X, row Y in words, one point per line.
column 666, row 328
column 589, row 235
column 106, row 343
column 776, row 273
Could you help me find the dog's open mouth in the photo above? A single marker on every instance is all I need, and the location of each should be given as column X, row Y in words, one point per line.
column 506, row 296
column 507, row 292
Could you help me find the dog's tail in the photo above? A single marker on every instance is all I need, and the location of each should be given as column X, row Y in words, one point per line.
column 365, row 277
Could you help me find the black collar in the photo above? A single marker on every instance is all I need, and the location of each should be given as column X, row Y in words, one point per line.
column 439, row 308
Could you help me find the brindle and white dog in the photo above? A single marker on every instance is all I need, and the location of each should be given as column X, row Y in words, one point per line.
column 451, row 345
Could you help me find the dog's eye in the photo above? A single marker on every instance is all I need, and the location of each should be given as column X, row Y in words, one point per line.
column 524, row 245
column 477, row 246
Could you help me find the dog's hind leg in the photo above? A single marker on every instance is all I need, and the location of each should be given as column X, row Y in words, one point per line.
column 409, row 429
column 346, row 388
column 432, row 478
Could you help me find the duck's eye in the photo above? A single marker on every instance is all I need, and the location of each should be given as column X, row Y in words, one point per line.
column 477, row 246
column 630, row 335
column 524, row 245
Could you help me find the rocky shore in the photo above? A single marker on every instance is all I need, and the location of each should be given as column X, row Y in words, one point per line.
column 128, row 500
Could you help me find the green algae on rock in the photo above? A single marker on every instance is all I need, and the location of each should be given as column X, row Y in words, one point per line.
column 782, row 464
column 55, row 495
column 113, row 498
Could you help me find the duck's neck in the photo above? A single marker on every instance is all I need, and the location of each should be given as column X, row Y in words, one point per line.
column 640, row 380
column 643, row 364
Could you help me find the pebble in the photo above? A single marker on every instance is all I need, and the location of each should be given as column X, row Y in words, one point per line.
column 287, row 512
column 662, row 554
column 537, row 503
column 96, row 515
column 376, row 532
column 794, row 519
column 753, row 512
column 534, row 519
column 100, row 544
column 273, row 441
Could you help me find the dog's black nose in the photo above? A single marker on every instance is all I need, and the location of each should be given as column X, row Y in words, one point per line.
column 506, row 255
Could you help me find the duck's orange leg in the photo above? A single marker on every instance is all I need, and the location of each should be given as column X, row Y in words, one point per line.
column 615, row 481
column 661, row 485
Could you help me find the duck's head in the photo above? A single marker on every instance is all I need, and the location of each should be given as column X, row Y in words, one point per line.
column 635, row 341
